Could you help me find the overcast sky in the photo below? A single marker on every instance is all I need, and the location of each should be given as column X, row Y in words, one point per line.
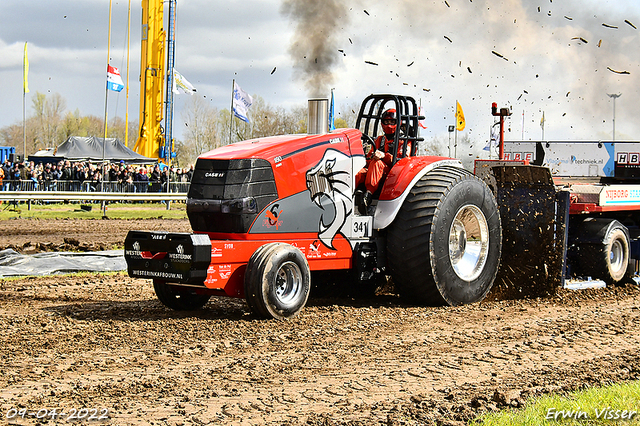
column 559, row 57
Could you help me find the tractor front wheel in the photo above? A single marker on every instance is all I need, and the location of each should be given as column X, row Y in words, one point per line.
column 277, row 281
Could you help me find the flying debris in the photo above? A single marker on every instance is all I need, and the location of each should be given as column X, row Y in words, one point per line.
column 581, row 39
column 370, row 63
column 609, row 26
column 350, row 41
column 273, row 70
column 411, row 63
column 567, row 17
column 342, row 51
column 519, row 97
column 445, row 2
column 448, row 39
column 365, row 11
column 600, row 43
column 469, row 69
column 618, row 72
column 499, row 55
column 568, row 94
column 426, row 90
column 632, row 26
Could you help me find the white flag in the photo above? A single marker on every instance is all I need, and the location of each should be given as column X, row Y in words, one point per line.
column 495, row 137
column 241, row 103
column 181, row 84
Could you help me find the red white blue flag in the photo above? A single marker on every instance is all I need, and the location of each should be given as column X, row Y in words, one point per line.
column 114, row 81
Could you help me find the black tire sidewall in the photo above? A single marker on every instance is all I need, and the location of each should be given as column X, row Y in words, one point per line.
column 453, row 289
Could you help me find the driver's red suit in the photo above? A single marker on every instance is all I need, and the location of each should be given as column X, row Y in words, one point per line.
column 378, row 165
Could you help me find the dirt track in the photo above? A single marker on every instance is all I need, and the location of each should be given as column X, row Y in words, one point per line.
column 104, row 341
column 35, row 235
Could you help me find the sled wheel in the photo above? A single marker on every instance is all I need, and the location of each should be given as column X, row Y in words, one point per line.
column 177, row 298
column 609, row 259
column 277, row 281
column 444, row 245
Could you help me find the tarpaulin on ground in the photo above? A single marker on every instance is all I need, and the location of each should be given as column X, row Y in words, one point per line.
column 77, row 148
column 14, row 264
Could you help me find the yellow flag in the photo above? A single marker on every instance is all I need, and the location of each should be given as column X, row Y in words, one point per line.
column 26, row 70
column 459, row 117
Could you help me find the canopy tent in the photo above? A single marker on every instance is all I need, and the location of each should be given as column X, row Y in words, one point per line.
column 77, row 148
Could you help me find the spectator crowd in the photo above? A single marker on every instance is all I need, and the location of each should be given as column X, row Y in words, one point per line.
column 87, row 176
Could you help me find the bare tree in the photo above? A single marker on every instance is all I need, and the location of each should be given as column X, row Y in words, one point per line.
column 347, row 115
column 202, row 132
column 48, row 114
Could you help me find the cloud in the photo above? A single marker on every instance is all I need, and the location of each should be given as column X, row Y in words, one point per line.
column 219, row 41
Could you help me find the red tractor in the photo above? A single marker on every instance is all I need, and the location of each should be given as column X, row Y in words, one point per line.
column 269, row 213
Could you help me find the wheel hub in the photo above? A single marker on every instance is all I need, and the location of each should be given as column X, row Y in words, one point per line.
column 469, row 242
column 616, row 256
column 288, row 284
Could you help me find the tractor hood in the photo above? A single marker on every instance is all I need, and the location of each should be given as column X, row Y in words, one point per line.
column 273, row 148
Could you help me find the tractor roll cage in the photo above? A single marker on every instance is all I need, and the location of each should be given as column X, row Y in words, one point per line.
column 407, row 110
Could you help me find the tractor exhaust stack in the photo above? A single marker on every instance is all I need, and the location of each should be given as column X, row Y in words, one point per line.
column 318, row 118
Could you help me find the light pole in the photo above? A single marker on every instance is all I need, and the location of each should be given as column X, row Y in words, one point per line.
column 451, row 129
column 614, row 96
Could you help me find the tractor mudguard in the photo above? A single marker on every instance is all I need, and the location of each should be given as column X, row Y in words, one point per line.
column 401, row 178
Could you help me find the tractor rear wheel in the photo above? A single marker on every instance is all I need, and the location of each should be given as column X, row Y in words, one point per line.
column 277, row 281
column 178, row 299
column 445, row 243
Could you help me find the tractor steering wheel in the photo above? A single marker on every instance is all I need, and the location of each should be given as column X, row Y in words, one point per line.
column 368, row 145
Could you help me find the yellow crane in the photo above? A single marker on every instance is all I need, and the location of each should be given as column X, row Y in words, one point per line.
column 152, row 73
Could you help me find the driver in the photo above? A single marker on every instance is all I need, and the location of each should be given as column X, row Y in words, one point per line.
column 379, row 156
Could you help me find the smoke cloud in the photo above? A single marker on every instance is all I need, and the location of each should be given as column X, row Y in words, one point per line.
column 314, row 48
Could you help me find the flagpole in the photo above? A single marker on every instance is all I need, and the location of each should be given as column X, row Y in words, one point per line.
column 24, row 100
column 233, row 86
column 455, row 143
column 24, row 124
column 126, row 113
column 106, row 98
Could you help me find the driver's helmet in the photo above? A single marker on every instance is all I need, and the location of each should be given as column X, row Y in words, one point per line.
column 389, row 121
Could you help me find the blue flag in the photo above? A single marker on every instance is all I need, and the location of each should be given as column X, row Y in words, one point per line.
column 241, row 103
column 332, row 124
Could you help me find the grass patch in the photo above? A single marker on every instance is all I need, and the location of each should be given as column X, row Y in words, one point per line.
column 595, row 406
column 77, row 211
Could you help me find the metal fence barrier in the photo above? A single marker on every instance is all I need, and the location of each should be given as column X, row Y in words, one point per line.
column 29, row 192
column 92, row 186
